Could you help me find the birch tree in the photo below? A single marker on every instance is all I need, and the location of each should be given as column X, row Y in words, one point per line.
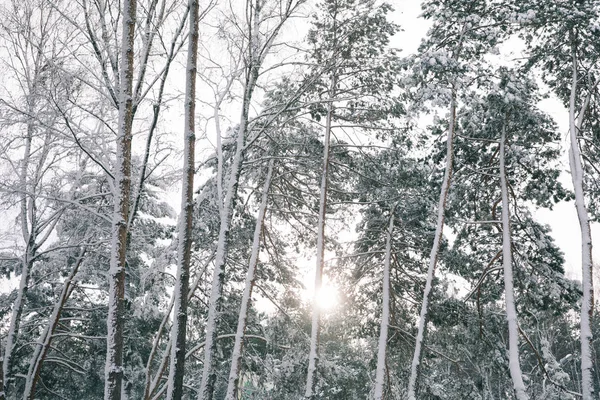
column 257, row 48
column 122, row 173
column 234, row 372
column 178, row 330
column 34, row 45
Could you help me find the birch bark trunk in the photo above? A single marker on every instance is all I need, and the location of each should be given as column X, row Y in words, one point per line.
column 236, row 358
column 509, row 293
column 208, row 373
column 576, row 169
column 385, row 314
column 256, row 54
column 116, row 304
column 433, row 257
column 178, row 330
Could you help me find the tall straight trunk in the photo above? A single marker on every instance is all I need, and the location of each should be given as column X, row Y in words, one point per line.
column 576, row 168
column 509, row 292
column 236, row 357
column 113, row 369
column 385, row 314
column 313, row 356
column 433, row 256
column 178, row 329
column 45, row 340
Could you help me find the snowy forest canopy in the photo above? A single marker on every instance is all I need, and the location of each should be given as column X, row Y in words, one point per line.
column 175, row 175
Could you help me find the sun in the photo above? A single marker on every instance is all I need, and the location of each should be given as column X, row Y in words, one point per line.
column 327, row 297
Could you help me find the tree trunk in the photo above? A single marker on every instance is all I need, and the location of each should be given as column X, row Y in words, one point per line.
column 122, row 173
column 178, row 330
column 385, row 314
column 45, row 340
column 28, row 228
column 509, row 293
column 236, row 358
column 214, row 306
column 313, row 356
column 576, row 169
column 433, row 257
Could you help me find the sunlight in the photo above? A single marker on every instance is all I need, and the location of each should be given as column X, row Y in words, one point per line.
column 327, row 297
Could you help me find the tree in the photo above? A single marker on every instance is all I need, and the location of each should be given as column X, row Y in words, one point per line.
column 575, row 83
column 178, row 330
column 353, row 79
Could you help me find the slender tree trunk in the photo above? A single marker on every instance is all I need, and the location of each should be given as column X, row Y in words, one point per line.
column 2, row 392
column 15, row 320
column 236, row 358
column 45, row 340
column 122, row 173
column 28, row 227
column 313, row 356
column 178, row 330
column 509, row 292
column 433, row 257
column 385, row 314
column 214, row 307
column 151, row 384
column 576, row 167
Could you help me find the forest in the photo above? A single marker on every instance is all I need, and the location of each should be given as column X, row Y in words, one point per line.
column 298, row 199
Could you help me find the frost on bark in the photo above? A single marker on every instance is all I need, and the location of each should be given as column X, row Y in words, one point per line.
column 509, row 292
column 208, row 371
column 433, row 257
column 178, row 329
column 385, row 314
column 576, row 169
column 236, row 357
column 122, row 172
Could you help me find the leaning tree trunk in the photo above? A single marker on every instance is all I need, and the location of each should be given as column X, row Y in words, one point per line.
column 236, row 357
column 433, row 257
column 509, row 292
column 576, row 167
column 178, row 330
column 313, row 355
column 28, row 228
column 214, row 306
column 116, row 303
column 385, row 314
column 45, row 340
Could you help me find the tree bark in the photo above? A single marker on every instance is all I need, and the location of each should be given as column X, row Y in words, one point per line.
column 576, row 169
column 433, row 257
column 385, row 314
column 236, row 358
column 116, row 304
column 214, row 307
column 509, row 292
column 178, row 330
